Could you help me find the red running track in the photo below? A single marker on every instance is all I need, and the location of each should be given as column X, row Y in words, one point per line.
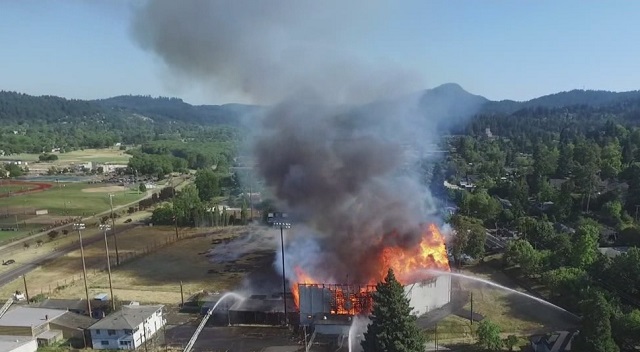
column 32, row 187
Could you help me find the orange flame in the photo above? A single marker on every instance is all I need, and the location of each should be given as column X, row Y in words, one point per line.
column 407, row 264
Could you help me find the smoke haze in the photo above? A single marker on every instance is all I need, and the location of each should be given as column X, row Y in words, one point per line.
column 341, row 168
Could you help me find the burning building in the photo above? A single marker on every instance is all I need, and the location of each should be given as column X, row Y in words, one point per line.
column 325, row 306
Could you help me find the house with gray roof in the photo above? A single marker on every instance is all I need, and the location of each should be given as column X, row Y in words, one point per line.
column 128, row 328
column 45, row 325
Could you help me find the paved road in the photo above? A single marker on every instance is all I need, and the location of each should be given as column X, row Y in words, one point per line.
column 15, row 273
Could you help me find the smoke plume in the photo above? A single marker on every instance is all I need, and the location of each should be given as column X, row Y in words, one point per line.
column 333, row 147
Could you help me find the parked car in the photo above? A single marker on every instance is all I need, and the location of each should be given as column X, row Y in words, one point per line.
column 10, row 261
column 127, row 221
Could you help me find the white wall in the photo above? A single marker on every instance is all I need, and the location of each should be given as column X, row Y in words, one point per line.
column 153, row 324
column 430, row 295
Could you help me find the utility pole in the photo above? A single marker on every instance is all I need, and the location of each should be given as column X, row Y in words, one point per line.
column 106, row 228
column 471, row 315
column 113, row 229
column 283, row 225
column 173, row 207
column 26, row 291
column 181, row 294
column 79, row 227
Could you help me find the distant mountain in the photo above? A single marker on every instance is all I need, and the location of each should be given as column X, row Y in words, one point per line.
column 448, row 102
column 174, row 109
column 576, row 97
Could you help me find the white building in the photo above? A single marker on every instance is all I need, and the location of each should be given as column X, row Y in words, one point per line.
column 128, row 328
column 18, row 344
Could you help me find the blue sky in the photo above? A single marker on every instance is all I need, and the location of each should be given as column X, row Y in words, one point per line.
column 499, row 49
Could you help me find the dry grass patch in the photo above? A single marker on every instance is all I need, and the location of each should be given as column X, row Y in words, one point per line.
column 154, row 277
column 105, row 189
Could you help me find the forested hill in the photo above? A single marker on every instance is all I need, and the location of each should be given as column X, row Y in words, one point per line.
column 174, row 109
column 576, row 97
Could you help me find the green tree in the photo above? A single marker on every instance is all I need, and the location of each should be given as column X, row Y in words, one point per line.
column 611, row 160
column 142, row 187
column 208, row 184
column 520, row 252
column 585, row 246
column 14, row 170
column 243, row 212
column 162, row 215
column 612, row 211
column 489, row 335
column 471, row 236
column 545, row 160
column 595, row 332
column 566, row 285
column 393, row 328
column 626, row 330
column 216, row 216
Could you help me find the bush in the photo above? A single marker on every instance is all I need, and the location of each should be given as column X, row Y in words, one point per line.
column 52, row 234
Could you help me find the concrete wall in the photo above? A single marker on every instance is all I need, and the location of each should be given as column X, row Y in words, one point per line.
column 67, row 332
column 429, row 295
column 16, row 330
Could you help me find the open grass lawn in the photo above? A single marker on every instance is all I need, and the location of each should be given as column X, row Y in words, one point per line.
column 68, row 199
column 514, row 313
column 113, row 155
column 9, row 188
column 154, row 277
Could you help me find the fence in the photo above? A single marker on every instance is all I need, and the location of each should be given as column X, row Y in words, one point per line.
column 124, row 258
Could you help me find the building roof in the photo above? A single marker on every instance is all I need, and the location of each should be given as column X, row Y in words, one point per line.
column 66, row 304
column 559, row 341
column 75, row 321
column 8, row 343
column 128, row 317
column 613, row 252
column 27, row 316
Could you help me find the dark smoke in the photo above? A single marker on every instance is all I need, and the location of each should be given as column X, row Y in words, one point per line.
column 341, row 168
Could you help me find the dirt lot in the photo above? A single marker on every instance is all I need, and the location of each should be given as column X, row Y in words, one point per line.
column 153, row 277
column 105, row 189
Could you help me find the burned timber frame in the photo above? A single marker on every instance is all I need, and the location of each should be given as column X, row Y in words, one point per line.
column 335, row 299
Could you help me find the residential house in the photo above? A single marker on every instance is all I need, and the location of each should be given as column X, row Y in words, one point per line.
column 613, row 252
column 47, row 326
column 128, row 328
column 557, row 341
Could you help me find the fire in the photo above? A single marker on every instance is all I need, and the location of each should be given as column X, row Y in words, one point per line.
column 407, row 263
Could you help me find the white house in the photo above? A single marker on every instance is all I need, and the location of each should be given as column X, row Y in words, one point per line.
column 128, row 328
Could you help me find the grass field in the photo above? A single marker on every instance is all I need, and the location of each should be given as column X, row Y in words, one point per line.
column 113, row 155
column 154, row 277
column 69, row 199
column 62, row 202
column 512, row 312
column 8, row 188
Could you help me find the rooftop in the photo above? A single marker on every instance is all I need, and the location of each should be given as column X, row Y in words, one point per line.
column 8, row 343
column 26, row 316
column 128, row 317
column 75, row 321
column 70, row 304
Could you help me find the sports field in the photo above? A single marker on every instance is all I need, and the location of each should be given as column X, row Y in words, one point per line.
column 62, row 202
column 112, row 155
